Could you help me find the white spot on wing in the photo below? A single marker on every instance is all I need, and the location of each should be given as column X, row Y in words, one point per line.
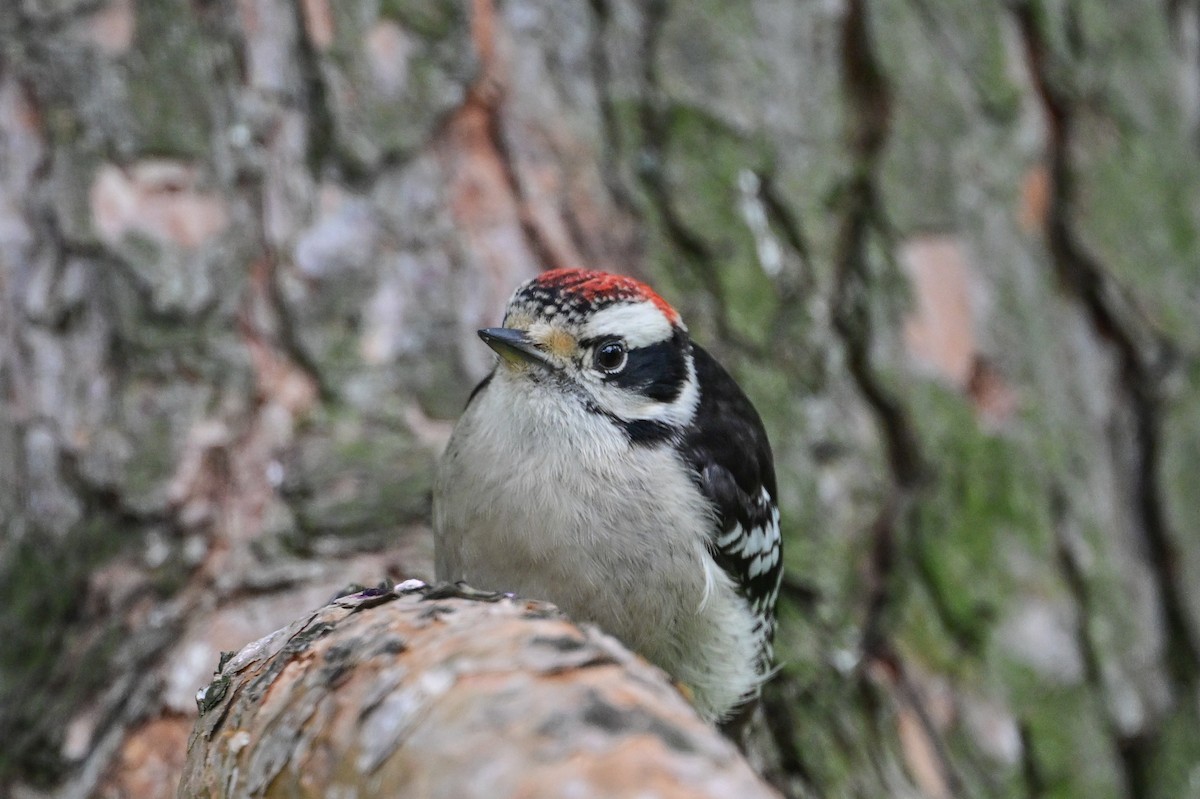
column 726, row 539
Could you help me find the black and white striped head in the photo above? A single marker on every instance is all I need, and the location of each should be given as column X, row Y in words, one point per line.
column 609, row 341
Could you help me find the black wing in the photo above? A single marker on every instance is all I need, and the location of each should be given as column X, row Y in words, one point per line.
column 728, row 448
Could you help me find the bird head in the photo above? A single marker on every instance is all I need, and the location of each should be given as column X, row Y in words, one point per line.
column 605, row 340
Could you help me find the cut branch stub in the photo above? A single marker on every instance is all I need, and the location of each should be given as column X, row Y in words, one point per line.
column 403, row 695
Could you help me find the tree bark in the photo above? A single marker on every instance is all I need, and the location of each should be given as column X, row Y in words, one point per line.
column 948, row 249
column 388, row 693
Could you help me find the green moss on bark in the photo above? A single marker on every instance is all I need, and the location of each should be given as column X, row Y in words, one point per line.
column 170, row 81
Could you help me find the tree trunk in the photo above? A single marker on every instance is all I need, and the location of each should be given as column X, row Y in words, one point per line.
column 948, row 249
column 414, row 693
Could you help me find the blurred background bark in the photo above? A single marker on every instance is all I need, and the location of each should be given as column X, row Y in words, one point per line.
column 950, row 249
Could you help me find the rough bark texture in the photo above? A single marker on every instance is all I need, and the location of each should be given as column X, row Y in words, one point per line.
column 949, row 249
column 381, row 696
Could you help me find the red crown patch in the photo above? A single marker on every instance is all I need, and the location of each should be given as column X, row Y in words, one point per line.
column 588, row 287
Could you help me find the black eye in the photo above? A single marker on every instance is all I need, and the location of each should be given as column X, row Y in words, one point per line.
column 611, row 356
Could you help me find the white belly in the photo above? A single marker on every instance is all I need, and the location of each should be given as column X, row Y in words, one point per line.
column 553, row 503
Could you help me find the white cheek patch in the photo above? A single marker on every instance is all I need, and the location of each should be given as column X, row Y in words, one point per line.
column 639, row 323
column 682, row 410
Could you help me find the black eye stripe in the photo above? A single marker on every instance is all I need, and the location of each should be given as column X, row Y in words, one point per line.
column 657, row 371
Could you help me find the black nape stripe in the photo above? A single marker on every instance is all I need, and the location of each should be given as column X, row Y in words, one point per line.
column 641, row 432
column 644, row 432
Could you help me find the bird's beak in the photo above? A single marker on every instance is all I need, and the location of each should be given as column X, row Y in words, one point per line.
column 515, row 346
